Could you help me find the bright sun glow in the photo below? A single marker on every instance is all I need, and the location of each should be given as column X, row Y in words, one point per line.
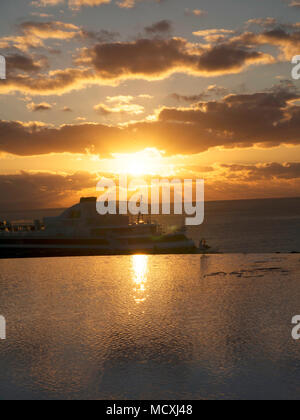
column 146, row 162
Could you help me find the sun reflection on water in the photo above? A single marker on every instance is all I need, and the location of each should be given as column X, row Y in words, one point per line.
column 140, row 274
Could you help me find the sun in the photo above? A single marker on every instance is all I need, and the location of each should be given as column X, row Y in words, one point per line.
column 146, row 162
column 135, row 165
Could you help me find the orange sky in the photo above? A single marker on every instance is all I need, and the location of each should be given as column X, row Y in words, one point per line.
column 148, row 88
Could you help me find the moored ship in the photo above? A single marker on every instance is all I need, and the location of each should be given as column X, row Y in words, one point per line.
column 80, row 230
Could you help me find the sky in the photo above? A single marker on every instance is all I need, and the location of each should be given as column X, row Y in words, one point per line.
column 148, row 88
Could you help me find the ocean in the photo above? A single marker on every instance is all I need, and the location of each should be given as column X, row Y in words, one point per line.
column 150, row 327
column 247, row 226
column 161, row 327
column 252, row 226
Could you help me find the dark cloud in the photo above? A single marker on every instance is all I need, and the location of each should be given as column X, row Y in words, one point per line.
column 25, row 63
column 189, row 98
column 30, row 139
column 99, row 36
column 161, row 27
column 109, row 62
column 42, row 190
column 58, row 82
column 212, row 90
column 284, row 37
column 155, row 58
column 267, row 119
column 226, row 56
column 27, row 191
column 266, row 171
column 44, row 106
column 149, row 59
column 33, row 35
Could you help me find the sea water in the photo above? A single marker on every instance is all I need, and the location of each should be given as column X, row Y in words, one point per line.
column 150, row 327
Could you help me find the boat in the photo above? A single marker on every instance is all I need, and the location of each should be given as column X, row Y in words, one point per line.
column 81, row 231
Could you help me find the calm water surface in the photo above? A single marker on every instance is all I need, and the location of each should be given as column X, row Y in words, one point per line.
column 142, row 327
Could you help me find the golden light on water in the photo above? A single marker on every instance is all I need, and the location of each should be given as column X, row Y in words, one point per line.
column 140, row 275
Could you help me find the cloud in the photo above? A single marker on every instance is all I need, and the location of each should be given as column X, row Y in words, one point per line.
column 41, row 15
column 265, row 22
column 108, row 63
column 261, row 180
column 29, row 190
column 34, row 139
column 33, row 34
column 267, row 119
column 284, row 37
column 295, row 4
column 161, row 27
column 214, row 35
column 158, row 58
column 263, row 171
column 195, row 12
column 16, row 62
column 49, row 30
column 120, row 105
column 46, row 3
column 100, row 36
column 129, row 109
column 44, row 106
column 56, row 82
column 212, row 90
column 120, row 99
column 41, row 190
